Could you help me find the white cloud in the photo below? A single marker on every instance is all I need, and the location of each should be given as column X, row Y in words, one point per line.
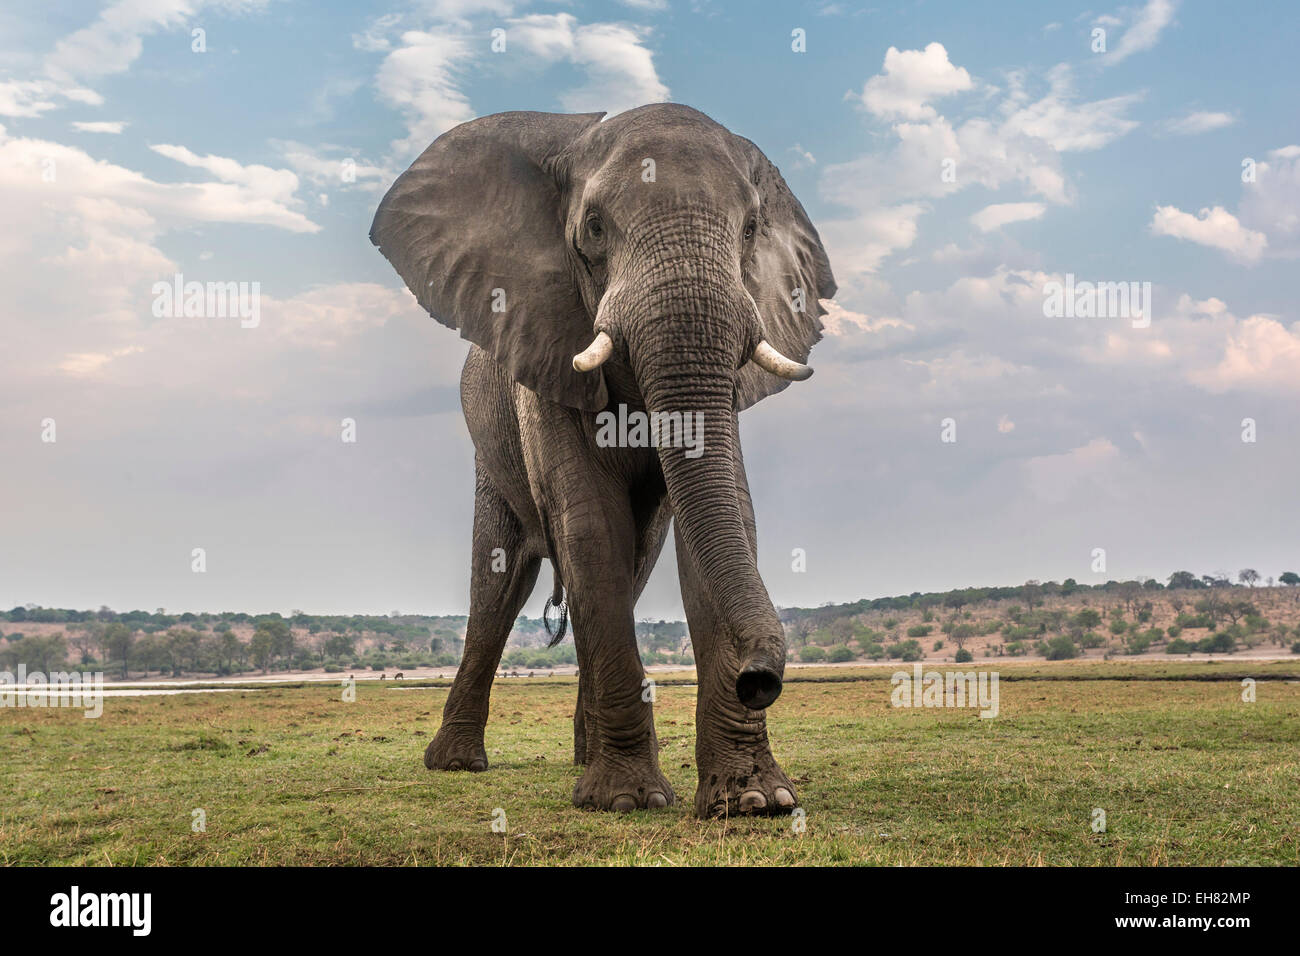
column 1064, row 123
column 1271, row 204
column 911, row 79
column 838, row 320
column 101, row 126
column 1020, row 143
column 1216, row 228
column 1198, row 122
column 860, row 244
column 1054, row 477
column 1000, row 214
column 335, row 170
column 420, row 79
column 1143, row 33
column 25, row 98
column 803, row 158
column 1260, row 354
column 620, row 69
column 115, row 39
column 247, row 194
column 376, row 37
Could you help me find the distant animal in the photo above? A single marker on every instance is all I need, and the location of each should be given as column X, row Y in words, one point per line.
column 629, row 287
column 399, row 676
column 383, row 677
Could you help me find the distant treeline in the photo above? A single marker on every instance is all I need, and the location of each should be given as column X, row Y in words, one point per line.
column 1031, row 593
column 206, row 642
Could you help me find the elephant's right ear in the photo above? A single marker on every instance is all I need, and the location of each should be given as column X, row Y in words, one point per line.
column 476, row 230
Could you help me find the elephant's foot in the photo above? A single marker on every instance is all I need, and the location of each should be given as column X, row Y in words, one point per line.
column 622, row 786
column 456, row 748
column 744, row 785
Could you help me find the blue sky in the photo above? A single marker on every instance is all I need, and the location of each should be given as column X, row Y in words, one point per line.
column 224, row 165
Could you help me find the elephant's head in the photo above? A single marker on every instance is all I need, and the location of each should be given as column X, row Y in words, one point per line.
column 657, row 244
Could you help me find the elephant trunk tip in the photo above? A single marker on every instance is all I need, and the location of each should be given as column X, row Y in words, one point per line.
column 758, row 684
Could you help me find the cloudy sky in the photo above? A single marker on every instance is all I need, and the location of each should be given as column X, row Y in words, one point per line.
column 956, row 162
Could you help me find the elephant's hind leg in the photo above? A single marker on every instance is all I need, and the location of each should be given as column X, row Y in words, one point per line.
column 503, row 574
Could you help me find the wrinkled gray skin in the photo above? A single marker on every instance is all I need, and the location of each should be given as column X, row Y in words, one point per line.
column 551, row 217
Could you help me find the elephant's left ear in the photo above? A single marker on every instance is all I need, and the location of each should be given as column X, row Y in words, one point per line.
column 476, row 230
column 788, row 275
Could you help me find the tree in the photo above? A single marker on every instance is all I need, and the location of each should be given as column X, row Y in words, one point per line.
column 960, row 634
column 341, row 646
column 118, row 639
column 1248, row 577
column 183, row 644
column 1235, row 610
column 1184, row 579
column 1289, row 578
column 228, row 648
column 1087, row 619
column 262, row 647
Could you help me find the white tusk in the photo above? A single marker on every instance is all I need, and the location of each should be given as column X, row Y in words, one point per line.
column 600, row 349
column 766, row 357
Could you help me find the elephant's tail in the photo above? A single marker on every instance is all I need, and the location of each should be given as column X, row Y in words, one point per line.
column 556, row 600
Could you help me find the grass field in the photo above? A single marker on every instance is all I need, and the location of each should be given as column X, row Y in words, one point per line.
column 1186, row 772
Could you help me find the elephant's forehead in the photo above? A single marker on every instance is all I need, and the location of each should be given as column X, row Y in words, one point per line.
column 657, row 168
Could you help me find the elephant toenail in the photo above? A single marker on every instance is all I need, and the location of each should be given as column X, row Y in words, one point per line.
column 752, row 800
column 656, row 800
column 455, row 765
column 784, row 798
column 623, row 803
column 478, row 765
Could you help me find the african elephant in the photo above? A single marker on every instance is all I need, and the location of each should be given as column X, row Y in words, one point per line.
column 654, row 264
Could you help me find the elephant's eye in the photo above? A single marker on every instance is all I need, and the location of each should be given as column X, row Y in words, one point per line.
column 595, row 228
column 749, row 230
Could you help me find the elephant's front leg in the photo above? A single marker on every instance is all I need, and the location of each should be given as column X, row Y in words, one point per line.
column 737, row 772
column 594, row 539
column 592, row 530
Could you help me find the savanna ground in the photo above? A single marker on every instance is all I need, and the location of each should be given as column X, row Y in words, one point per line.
column 1186, row 772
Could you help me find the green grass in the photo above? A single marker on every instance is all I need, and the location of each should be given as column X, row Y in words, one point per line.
column 1186, row 772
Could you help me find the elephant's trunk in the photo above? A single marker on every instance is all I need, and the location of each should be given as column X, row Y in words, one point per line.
column 687, row 332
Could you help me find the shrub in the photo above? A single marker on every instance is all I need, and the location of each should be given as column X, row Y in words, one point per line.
column 938, row 645
column 907, row 650
column 1091, row 639
column 1061, row 648
column 1295, row 648
column 811, row 654
column 919, row 630
column 1220, row 643
column 839, row 654
column 874, row 651
column 1017, row 649
column 1179, row 646
column 1174, row 631
column 964, row 656
column 1138, row 643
